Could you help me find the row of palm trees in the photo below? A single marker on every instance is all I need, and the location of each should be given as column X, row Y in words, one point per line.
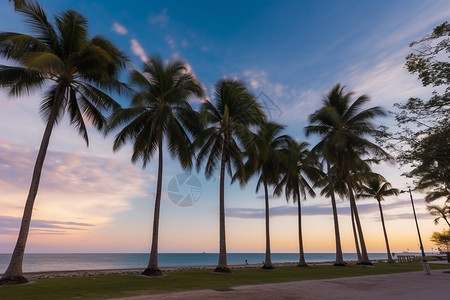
column 230, row 134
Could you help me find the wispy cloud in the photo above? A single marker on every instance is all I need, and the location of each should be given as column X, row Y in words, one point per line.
column 80, row 172
column 258, row 213
column 287, row 105
column 393, row 209
column 259, row 80
column 162, row 18
column 10, row 226
column 171, row 42
column 119, row 28
column 138, row 50
column 267, row 92
column 72, row 185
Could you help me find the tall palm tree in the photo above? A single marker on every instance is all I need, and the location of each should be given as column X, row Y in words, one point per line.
column 378, row 188
column 266, row 158
column 441, row 213
column 160, row 112
column 301, row 170
column 330, row 186
column 72, row 70
column 220, row 144
column 343, row 126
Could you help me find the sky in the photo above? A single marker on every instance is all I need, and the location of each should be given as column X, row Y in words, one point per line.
column 289, row 53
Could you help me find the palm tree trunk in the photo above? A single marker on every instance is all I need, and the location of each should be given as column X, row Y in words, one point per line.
column 302, row 262
column 365, row 258
column 390, row 260
column 339, row 259
column 268, row 260
column 14, row 273
column 222, row 266
column 152, row 268
column 358, row 252
column 446, row 220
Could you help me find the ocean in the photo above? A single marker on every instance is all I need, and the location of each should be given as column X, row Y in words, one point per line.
column 103, row 261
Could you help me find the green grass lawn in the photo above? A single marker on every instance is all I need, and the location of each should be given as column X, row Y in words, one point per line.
column 108, row 286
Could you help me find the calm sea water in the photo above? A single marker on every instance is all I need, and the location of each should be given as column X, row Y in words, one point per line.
column 100, row 261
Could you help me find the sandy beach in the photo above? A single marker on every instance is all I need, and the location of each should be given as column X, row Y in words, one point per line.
column 414, row 285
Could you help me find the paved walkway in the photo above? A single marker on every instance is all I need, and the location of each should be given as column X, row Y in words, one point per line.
column 414, row 285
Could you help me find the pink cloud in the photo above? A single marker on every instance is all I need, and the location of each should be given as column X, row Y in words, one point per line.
column 119, row 29
column 138, row 50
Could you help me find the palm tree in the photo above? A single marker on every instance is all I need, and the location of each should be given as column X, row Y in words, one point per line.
column 378, row 188
column 330, row 186
column 18, row 3
column 220, row 143
column 441, row 212
column 267, row 156
column 72, row 69
column 343, row 126
column 160, row 112
column 301, row 168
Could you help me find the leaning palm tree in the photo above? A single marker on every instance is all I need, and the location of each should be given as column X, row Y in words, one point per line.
column 221, row 142
column 378, row 188
column 160, row 112
column 302, row 168
column 72, row 69
column 267, row 155
column 441, row 213
column 343, row 126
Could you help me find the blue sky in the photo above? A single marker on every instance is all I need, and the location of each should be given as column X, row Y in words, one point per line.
column 290, row 53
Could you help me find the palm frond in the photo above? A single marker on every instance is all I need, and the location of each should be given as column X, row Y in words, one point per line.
column 43, row 62
column 76, row 116
column 20, row 81
column 44, row 30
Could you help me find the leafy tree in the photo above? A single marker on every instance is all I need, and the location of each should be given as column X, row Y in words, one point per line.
column 222, row 141
column 160, row 112
column 424, row 136
column 441, row 213
column 72, row 70
column 301, row 169
column 441, row 239
column 343, row 126
column 267, row 159
column 376, row 187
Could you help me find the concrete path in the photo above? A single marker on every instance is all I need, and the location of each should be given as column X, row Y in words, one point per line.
column 414, row 285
